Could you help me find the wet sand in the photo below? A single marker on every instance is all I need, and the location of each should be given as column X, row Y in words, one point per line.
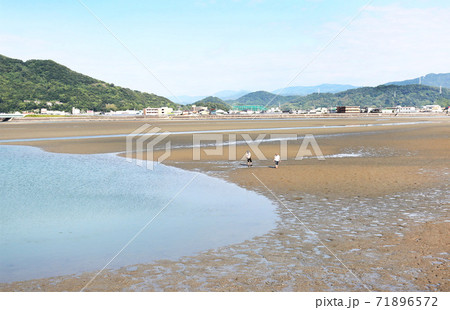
column 383, row 214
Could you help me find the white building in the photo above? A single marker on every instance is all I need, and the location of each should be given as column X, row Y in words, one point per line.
column 56, row 113
column 125, row 112
column 198, row 108
column 388, row 110
column 158, row 111
column 52, row 112
column 400, row 109
column 274, row 110
column 75, row 111
column 203, row 112
column 299, row 112
column 318, row 111
column 221, row 112
column 432, row 108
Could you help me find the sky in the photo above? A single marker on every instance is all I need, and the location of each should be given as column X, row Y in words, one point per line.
column 200, row 47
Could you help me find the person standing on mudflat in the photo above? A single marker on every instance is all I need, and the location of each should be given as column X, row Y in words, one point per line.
column 276, row 160
column 249, row 158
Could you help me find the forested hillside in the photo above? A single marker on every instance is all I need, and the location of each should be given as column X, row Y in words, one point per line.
column 213, row 103
column 29, row 85
column 380, row 96
column 261, row 98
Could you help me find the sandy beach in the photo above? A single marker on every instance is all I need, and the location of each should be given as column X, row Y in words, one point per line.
column 373, row 215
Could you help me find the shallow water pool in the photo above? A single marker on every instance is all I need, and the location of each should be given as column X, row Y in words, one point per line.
column 63, row 214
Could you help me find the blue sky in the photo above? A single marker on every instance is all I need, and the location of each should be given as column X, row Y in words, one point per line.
column 204, row 46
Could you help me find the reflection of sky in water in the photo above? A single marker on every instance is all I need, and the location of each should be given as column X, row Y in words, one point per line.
column 64, row 213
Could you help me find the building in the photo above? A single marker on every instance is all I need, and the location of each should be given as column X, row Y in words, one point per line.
column 348, row 109
column 431, row 108
column 388, row 110
column 318, row 111
column 52, row 112
column 198, row 109
column 400, row 109
column 373, row 110
column 275, row 110
column 57, row 113
column 157, row 111
column 125, row 112
column 75, row 111
column 220, row 112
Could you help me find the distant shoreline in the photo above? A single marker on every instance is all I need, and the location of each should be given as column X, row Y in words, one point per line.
column 230, row 117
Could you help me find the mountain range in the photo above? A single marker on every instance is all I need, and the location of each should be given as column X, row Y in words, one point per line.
column 223, row 95
column 261, row 98
column 288, row 91
column 34, row 84
column 380, row 96
column 306, row 90
column 432, row 79
column 213, row 103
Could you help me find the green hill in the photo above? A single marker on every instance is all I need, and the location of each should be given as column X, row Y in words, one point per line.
column 380, row 96
column 262, row 98
column 213, row 103
column 306, row 90
column 29, row 85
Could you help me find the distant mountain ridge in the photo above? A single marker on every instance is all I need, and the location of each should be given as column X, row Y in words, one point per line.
column 223, row 95
column 210, row 99
column 34, row 84
column 29, row 85
column 228, row 95
column 432, row 79
column 212, row 103
column 306, row 90
column 231, row 94
column 182, row 99
column 380, row 96
column 261, row 98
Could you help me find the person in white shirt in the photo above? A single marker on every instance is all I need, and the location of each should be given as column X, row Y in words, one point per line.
column 249, row 158
column 276, row 160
